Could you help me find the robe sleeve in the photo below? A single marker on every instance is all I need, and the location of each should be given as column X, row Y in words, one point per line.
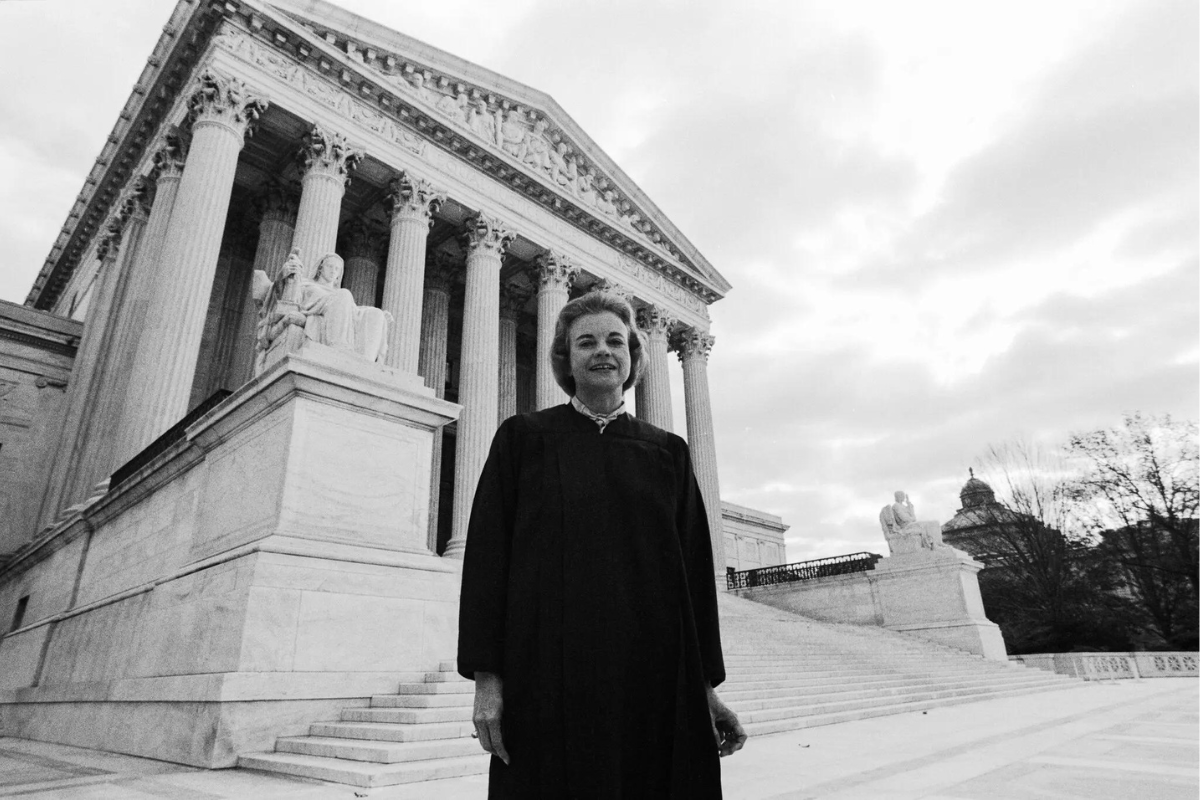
column 696, row 542
column 484, row 599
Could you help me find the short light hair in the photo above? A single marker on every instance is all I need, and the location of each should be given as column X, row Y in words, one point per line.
column 593, row 303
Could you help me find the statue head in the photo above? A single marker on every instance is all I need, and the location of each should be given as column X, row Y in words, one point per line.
column 900, row 496
column 329, row 270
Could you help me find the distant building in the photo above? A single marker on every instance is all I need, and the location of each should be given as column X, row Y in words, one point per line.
column 975, row 527
column 753, row 539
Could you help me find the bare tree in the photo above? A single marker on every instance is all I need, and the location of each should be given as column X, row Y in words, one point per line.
column 1141, row 486
column 1042, row 585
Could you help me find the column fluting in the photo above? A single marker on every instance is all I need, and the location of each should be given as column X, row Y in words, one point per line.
column 414, row 201
column 486, row 241
column 276, row 208
column 440, row 273
column 693, row 348
column 169, row 161
column 361, row 244
column 168, row 349
column 555, row 273
column 512, row 300
column 325, row 161
column 654, row 392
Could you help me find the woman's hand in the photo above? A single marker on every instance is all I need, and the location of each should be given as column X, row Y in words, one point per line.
column 489, row 707
column 727, row 731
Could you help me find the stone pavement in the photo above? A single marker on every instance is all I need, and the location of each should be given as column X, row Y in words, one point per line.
column 1102, row 741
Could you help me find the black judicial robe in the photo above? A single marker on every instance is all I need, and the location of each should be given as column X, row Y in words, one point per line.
column 588, row 587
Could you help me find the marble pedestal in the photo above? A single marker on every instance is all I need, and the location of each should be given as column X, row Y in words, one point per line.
column 934, row 594
column 265, row 572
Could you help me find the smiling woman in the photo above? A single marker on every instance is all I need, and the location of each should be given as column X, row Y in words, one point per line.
column 588, row 618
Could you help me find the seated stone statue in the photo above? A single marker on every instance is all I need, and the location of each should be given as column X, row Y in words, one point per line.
column 904, row 533
column 294, row 309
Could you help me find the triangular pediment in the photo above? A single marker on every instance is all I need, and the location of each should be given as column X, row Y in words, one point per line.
column 517, row 134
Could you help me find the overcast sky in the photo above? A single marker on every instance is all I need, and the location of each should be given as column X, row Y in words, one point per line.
column 946, row 224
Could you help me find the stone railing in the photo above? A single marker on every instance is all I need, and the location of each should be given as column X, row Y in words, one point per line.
column 1110, row 666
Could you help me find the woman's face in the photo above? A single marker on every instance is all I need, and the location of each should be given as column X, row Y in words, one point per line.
column 599, row 347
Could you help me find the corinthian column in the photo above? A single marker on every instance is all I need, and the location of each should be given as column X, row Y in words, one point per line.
column 161, row 383
column 693, row 348
column 168, row 168
column 276, row 228
column 554, row 272
column 361, row 244
column 512, row 300
column 413, row 201
column 486, row 241
column 325, row 162
column 435, row 327
column 654, row 392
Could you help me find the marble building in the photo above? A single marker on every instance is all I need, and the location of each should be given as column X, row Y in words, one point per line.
column 167, row 480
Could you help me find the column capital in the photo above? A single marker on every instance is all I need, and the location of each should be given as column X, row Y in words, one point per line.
column 512, row 299
column 169, row 157
column 412, row 197
column 692, row 344
column 110, row 239
column 224, row 100
column 441, row 270
column 135, row 202
column 361, row 240
column 555, row 271
column 487, row 235
column 277, row 202
column 655, row 321
column 326, row 152
column 611, row 287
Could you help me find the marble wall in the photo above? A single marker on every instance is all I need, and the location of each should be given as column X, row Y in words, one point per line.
column 37, row 350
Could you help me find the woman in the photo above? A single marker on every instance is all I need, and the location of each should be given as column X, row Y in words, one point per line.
column 588, row 618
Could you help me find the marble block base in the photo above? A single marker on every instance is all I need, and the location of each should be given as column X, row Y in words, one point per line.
column 260, row 575
column 934, row 594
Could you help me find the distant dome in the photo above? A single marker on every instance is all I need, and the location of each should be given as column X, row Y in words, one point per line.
column 976, row 493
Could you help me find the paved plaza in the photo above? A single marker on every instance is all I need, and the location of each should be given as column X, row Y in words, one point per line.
column 1119, row 740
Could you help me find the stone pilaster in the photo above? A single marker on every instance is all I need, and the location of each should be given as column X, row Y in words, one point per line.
column 168, row 169
column 554, row 273
column 325, row 162
column 486, row 240
column 440, row 272
column 654, row 392
column 414, row 201
column 693, row 348
column 221, row 110
column 512, row 300
column 361, row 245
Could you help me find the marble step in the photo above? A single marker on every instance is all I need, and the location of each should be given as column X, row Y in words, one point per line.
column 379, row 752
column 365, row 774
column 392, row 731
column 408, row 716
column 421, row 700
column 445, row 687
column 742, row 676
column 887, row 709
column 836, row 705
column 769, row 698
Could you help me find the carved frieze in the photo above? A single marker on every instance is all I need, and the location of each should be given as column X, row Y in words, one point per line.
column 287, row 70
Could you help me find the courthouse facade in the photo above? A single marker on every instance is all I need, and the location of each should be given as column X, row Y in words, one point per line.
column 468, row 207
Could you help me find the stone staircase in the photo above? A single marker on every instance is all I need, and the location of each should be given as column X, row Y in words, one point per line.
column 784, row 672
